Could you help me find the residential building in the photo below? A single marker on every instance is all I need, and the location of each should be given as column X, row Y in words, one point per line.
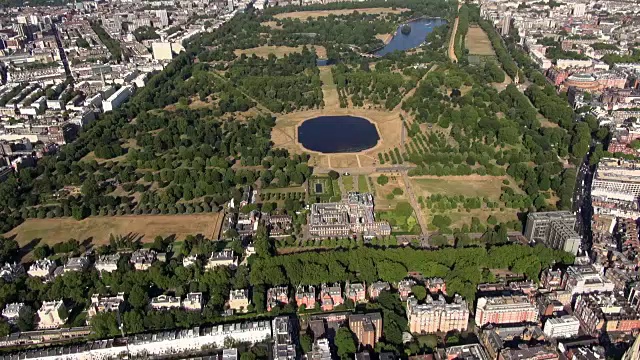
column 177, row 342
column 377, row 287
column 435, row 315
column 606, row 312
column 584, row 279
column 436, row 285
column 107, row 263
column 193, row 301
column 165, row 302
column 367, row 328
column 552, row 279
column 239, row 300
column 404, row 288
column 277, row 296
column 306, row 297
column 230, row 354
column 330, row 296
column 189, row 260
column 79, row 263
column 42, row 268
column 467, row 352
column 52, row 314
column 497, row 337
column 538, row 352
column 555, row 229
column 615, row 178
column 117, row 98
column 279, row 225
column 101, row 303
column 505, row 310
column 562, row 327
column 13, row 311
column 284, row 346
column 142, row 259
column 355, row 292
column 320, row 350
column 11, row 271
column 353, row 215
column 222, row 258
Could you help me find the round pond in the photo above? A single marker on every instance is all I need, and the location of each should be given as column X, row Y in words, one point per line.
column 338, row 134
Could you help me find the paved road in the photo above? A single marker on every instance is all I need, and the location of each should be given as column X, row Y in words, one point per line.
column 367, row 170
column 582, row 202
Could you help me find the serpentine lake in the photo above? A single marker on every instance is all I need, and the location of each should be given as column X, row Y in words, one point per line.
column 419, row 30
column 338, row 134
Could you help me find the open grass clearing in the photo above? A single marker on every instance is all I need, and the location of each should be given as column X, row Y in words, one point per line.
column 383, row 198
column 468, row 186
column 462, row 217
column 279, row 51
column 303, row 15
column 98, row 228
column 290, row 189
column 478, row 42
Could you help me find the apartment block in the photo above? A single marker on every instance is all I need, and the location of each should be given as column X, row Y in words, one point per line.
column 505, row 310
column 404, row 288
column 12, row 311
column 367, row 328
column 355, row 292
column 584, row 279
column 142, row 259
column 277, row 296
column 606, row 313
column 435, row 315
column 306, row 296
column 107, row 263
column 555, row 229
column 239, row 300
column 225, row 257
column 377, row 287
column 52, row 314
column 193, row 301
column 563, row 327
column 330, row 296
column 165, row 302
column 101, row 303
column 42, row 268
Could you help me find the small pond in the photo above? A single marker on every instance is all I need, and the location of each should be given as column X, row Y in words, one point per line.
column 338, row 134
column 419, row 30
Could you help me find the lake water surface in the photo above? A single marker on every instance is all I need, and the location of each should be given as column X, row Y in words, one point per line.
column 419, row 30
column 338, row 134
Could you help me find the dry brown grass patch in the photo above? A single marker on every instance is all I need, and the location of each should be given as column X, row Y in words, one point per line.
column 279, row 51
column 98, row 228
column 478, row 42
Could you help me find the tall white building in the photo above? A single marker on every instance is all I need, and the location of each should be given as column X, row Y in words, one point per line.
column 117, row 98
column 563, row 327
column 579, row 10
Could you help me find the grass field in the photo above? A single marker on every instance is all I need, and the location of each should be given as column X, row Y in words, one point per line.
column 289, row 189
column 329, row 88
column 478, row 42
column 401, row 223
column 489, row 187
column 470, row 186
column 362, row 184
column 347, row 181
column 279, row 51
column 303, row 15
column 98, row 228
column 383, row 201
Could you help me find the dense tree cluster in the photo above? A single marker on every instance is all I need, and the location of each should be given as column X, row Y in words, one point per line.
column 282, row 85
column 145, row 33
column 459, row 267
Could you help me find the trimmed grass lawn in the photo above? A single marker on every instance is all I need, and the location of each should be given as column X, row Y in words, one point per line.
column 347, row 181
column 362, row 184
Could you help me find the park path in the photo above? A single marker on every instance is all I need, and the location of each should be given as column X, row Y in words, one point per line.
column 452, row 40
column 421, row 217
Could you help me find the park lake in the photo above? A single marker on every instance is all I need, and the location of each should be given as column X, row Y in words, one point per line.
column 419, row 30
column 338, row 134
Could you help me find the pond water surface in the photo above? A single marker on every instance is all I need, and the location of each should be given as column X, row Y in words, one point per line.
column 419, row 30
column 338, row 134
